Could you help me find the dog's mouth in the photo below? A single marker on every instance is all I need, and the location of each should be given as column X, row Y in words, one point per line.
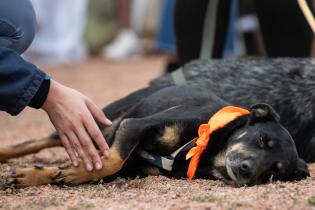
column 231, row 173
column 235, row 175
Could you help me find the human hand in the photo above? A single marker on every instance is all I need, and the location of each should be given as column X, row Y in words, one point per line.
column 73, row 116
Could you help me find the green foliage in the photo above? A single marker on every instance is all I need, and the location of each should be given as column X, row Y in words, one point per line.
column 101, row 24
column 205, row 199
column 311, row 200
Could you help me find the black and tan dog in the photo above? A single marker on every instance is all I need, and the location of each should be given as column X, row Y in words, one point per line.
column 252, row 149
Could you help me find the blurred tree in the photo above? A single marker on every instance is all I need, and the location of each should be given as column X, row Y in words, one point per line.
column 102, row 24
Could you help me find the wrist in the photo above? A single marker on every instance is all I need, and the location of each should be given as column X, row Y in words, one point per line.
column 52, row 95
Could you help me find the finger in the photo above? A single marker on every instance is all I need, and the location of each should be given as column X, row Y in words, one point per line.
column 74, row 151
column 78, row 147
column 96, row 135
column 88, row 147
column 69, row 149
column 98, row 114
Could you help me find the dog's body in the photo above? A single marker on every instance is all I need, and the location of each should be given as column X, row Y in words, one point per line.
column 161, row 118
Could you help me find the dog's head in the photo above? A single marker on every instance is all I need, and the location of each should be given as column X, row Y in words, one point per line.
column 263, row 150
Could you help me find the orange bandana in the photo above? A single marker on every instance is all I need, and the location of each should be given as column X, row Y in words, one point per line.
column 220, row 119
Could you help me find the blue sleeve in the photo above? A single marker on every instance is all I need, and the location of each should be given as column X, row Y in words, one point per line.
column 19, row 81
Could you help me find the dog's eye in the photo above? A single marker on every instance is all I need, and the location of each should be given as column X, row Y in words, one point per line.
column 261, row 141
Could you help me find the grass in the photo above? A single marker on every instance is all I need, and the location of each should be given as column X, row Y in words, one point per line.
column 311, row 200
column 205, row 199
column 235, row 206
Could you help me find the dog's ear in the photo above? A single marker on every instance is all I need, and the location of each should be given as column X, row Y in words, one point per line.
column 262, row 112
column 301, row 171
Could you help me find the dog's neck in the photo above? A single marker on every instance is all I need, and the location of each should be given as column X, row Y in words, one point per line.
column 214, row 155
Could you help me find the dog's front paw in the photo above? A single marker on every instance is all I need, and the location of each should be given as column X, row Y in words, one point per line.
column 25, row 177
column 79, row 175
column 75, row 175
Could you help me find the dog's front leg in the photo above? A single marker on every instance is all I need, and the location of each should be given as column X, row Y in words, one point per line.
column 24, row 177
column 123, row 145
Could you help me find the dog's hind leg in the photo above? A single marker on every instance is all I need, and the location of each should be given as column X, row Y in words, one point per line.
column 29, row 147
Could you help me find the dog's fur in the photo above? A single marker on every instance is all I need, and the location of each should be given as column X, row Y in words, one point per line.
column 159, row 119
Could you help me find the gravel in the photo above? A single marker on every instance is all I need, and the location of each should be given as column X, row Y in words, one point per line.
column 104, row 82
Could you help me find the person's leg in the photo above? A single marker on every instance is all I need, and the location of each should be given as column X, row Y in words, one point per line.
column 189, row 23
column 164, row 39
column 127, row 42
column 284, row 28
column 123, row 8
column 17, row 24
column 59, row 39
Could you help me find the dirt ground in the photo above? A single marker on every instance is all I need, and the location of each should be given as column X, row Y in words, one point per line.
column 105, row 82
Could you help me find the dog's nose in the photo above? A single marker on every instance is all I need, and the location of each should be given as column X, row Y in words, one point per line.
column 245, row 167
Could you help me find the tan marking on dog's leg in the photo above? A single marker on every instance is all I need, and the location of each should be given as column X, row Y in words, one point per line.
column 25, row 177
column 171, row 135
column 28, row 147
column 78, row 175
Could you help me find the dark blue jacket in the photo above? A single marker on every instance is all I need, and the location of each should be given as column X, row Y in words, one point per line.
column 19, row 81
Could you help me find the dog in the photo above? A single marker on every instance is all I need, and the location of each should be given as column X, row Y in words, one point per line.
column 250, row 149
column 287, row 84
